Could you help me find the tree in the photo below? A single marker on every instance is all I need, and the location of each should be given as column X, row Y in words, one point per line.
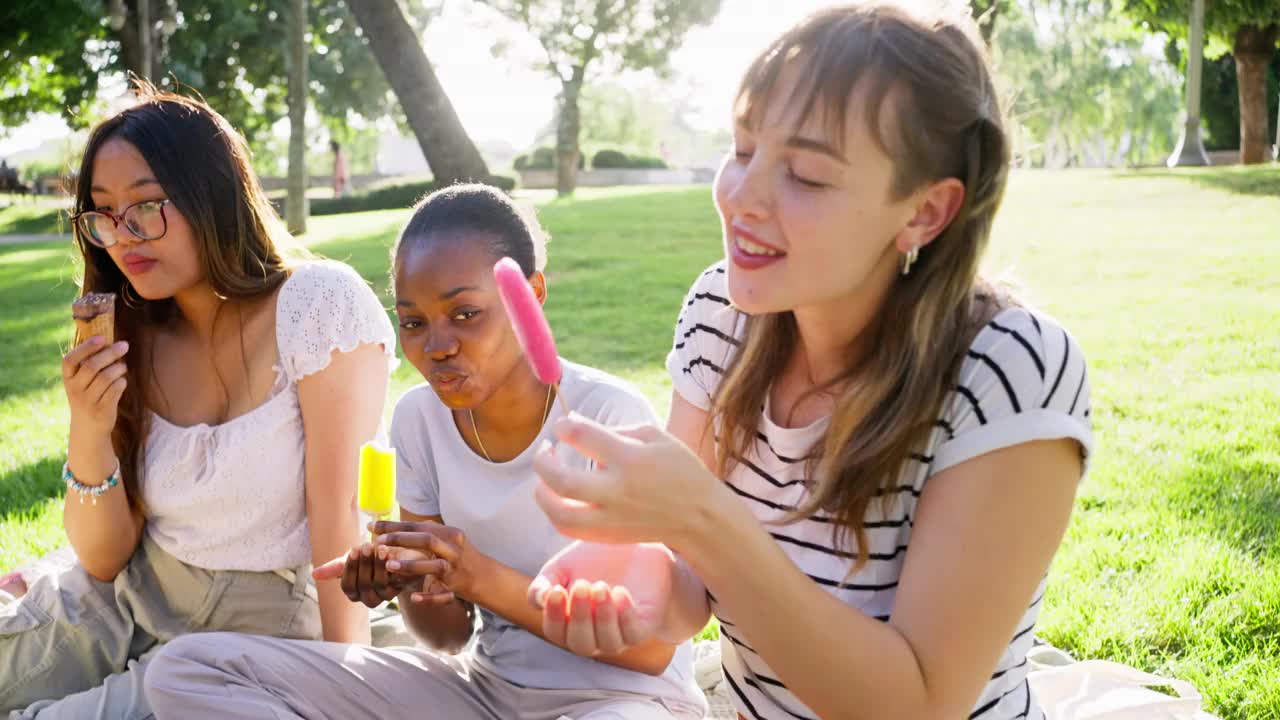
column 445, row 144
column 1221, row 102
column 296, row 201
column 46, row 64
column 231, row 53
column 143, row 28
column 987, row 12
column 620, row 34
column 1083, row 90
column 1251, row 28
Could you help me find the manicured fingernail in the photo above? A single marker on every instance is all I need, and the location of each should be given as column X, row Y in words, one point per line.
column 393, row 564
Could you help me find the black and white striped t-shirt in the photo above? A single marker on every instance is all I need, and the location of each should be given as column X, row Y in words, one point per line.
column 1024, row 379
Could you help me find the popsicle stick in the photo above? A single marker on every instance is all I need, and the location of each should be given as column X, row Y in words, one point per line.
column 564, row 404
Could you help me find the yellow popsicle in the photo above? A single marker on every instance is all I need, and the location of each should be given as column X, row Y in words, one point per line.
column 377, row 479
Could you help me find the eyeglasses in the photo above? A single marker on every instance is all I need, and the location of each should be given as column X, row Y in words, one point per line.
column 145, row 220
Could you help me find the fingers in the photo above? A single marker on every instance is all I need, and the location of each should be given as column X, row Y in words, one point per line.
column 643, row 433
column 381, row 582
column 445, row 543
column 635, row 629
column 382, row 527
column 331, row 570
column 87, row 369
column 402, row 561
column 350, row 571
column 590, row 619
column 590, row 486
column 553, row 615
column 105, row 381
column 538, row 590
column 608, row 631
column 71, row 361
column 439, row 598
column 368, row 593
column 571, row 517
column 595, row 441
column 433, row 592
column 580, row 636
column 541, row 585
column 111, row 396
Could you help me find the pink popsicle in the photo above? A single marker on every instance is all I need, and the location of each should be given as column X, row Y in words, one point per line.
column 529, row 322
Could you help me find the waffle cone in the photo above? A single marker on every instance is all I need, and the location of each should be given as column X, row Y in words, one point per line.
column 104, row 325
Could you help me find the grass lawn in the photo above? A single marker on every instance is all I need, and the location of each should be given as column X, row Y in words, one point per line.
column 24, row 216
column 1168, row 280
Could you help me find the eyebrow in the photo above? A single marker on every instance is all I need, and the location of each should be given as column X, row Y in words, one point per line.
column 443, row 296
column 818, row 146
column 135, row 184
column 457, row 291
column 803, row 143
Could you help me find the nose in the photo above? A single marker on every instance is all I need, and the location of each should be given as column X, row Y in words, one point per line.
column 745, row 190
column 440, row 345
column 125, row 235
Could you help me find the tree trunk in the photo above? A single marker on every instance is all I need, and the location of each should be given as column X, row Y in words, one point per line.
column 1254, row 47
column 130, row 41
column 145, row 37
column 567, row 131
column 984, row 13
column 296, row 201
column 142, row 55
column 1189, row 151
column 445, row 144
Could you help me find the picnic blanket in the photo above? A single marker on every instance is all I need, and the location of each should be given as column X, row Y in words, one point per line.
column 1066, row 688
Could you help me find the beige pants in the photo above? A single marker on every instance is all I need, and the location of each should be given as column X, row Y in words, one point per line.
column 75, row 647
column 239, row 676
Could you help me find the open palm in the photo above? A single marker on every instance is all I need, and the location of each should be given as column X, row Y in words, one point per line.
column 602, row 599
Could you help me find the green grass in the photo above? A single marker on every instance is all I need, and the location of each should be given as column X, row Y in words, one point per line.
column 1168, row 280
column 33, row 217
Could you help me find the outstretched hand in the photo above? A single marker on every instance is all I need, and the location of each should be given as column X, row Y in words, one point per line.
column 601, row 599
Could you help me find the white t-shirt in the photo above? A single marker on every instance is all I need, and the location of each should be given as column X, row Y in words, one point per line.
column 233, row 496
column 493, row 504
column 1024, row 379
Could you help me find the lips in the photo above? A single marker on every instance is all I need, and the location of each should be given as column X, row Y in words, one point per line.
column 750, row 252
column 136, row 264
column 446, row 380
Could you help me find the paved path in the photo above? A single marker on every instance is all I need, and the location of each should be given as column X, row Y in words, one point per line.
column 25, row 239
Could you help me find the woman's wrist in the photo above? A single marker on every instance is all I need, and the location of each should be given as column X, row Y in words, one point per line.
column 91, row 460
column 712, row 509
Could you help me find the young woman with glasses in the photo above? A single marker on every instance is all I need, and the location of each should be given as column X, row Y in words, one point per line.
column 212, row 446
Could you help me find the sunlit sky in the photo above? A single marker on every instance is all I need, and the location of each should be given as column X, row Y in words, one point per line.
column 508, row 98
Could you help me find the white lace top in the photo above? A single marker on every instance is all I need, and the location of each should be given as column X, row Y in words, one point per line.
column 232, row 496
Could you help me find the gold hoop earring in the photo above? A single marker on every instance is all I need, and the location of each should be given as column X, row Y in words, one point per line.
column 124, row 294
column 909, row 259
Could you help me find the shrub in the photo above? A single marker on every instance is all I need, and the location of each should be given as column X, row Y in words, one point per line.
column 647, row 163
column 606, row 159
column 385, row 196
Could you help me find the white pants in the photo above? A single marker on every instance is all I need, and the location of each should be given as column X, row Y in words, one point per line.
column 228, row 675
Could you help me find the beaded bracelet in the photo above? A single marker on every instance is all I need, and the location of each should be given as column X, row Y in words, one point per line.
column 92, row 491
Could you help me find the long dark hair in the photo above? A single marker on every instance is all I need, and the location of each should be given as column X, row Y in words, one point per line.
column 203, row 166
column 933, row 74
